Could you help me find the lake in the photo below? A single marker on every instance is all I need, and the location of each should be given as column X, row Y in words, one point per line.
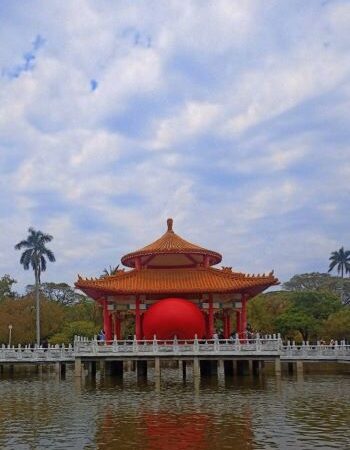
column 45, row 412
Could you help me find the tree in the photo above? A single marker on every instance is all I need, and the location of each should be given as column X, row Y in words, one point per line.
column 110, row 271
column 319, row 282
column 337, row 326
column 6, row 283
column 71, row 329
column 314, row 281
column 341, row 260
column 265, row 308
column 21, row 315
column 58, row 292
column 307, row 313
column 35, row 255
column 86, row 309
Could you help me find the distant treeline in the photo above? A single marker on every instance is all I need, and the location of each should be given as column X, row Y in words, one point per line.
column 308, row 307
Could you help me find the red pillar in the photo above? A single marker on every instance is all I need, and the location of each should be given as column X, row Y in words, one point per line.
column 138, row 330
column 211, row 318
column 238, row 322
column 228, row 324
column 116, row 326
column 244, row 316
column 120, row 327
column 205, row 316
column 224, row 323
column 141, row 321
column 107, row 322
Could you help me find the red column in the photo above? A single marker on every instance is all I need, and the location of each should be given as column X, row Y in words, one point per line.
column 211, row 318
column 238, row 322
column 228, row 324
column 116, row 326
column 244, row 316
column 141, row 326
column 138, row 320
column 110, row 316
column 107, row 325
column 224, row 323
column 205, row 315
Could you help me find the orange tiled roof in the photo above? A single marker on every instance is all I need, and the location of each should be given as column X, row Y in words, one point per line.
column 170, row 243
column 197, row 280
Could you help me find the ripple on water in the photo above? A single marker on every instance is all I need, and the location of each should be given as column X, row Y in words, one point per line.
column 108, row 414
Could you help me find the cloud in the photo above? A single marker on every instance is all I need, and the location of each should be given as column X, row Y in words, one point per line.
column 194, row 119
column 232, row 117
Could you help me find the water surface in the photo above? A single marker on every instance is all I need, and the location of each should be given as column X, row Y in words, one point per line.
column 44, row 412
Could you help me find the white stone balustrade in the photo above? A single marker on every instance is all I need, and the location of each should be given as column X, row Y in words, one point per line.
column 269, row 346
column 53, row 353
column 306, row 351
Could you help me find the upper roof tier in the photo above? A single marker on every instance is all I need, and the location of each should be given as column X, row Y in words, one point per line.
column 169, row 282
column 171, row 251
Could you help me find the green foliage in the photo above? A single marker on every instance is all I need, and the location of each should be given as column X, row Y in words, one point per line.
column 86, row 310
column 306, row 313
column 337, row 326
column 21, row 315
column 341, row 260
column 263, row 310
column 316, row 281
column 296, row 314
column 110, row 271
column 35, row 252
column 71, row 329
column 64, row 313
column 6, row 283
column 58, row 292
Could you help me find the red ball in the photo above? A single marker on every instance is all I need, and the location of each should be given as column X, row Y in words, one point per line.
column 172, row 317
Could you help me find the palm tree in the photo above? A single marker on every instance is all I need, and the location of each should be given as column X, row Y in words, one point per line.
column 341, row 260
column 110, row 271
column 34, row 255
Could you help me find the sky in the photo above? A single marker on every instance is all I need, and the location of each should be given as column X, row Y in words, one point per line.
column 232, row 117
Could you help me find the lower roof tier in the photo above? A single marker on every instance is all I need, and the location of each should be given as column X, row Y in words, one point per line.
column 194, row 281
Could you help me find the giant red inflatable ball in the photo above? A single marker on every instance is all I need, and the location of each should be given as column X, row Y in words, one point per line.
column 172, row 317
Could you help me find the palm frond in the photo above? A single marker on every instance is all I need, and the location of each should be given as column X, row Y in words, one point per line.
column 49, row 254
column 332, row 265
column 22, row 244
column 26, row 258
column 42, row 263
column 36, row 251
column 46, row 238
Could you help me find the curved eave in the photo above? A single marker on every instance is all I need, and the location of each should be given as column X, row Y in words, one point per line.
column 219, row 282
column 129, row 259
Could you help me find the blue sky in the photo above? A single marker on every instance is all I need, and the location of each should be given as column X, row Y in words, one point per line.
column 231, row 117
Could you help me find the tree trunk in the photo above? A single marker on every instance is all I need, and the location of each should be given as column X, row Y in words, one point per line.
column 37, row 303
column 342, row 284
column 304, row 335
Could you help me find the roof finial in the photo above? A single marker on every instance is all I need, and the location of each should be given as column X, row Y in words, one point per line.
column 170, row 224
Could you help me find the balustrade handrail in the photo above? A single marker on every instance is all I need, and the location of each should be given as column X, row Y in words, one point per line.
column 259, row 345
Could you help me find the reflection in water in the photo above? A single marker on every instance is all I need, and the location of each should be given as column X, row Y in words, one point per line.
column 175, row 431
column 42, row 412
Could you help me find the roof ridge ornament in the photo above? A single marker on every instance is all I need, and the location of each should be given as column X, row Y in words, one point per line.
column 169, row 223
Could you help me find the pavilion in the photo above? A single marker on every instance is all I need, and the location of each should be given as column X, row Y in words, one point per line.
column 173, row 267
